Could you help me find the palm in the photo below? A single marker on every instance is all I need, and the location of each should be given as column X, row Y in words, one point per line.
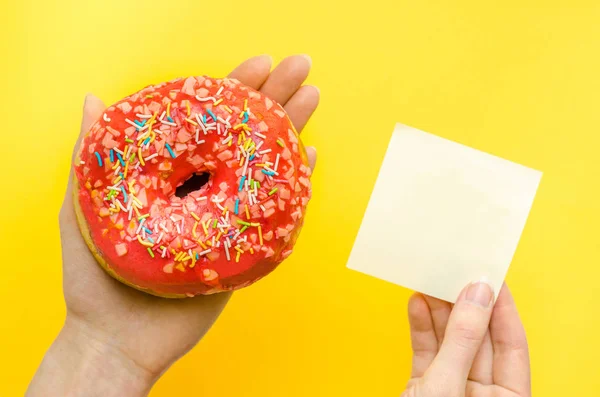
column 501, row 367
column 151, row 331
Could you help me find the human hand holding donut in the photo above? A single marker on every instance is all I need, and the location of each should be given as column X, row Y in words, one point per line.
column 116, row 340
column 474, row 349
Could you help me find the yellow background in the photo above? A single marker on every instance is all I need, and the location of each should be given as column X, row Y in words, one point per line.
column 518, row 79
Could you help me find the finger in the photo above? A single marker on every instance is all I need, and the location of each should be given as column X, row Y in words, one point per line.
column 287, row 78
column 511, row 353
column 466, row 329
column 440, row 312
column 422, row 335
column 482, row 369
column 302, row 105
column 92, row 111
column 477, row 389
column 311, row 153
column 254, row 71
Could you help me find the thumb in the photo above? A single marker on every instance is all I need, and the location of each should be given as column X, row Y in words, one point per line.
column 467, row 326
column 93, row 108
column 311, row 152
column 92, row 111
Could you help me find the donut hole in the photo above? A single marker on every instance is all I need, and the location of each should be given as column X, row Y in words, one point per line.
column 195, row 182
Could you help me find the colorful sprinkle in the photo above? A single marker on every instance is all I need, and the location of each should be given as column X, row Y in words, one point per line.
column 150, row 252
column 170, row 150
column 211, row 114
column 132, row 123
column 99, row 158
column 272, row 192
column 237, row 206
column 121, row 161
column 276, row 162
column 112, row 155
column 144, row 243
column 242, row 183
column 280, row 142
column 124, row 194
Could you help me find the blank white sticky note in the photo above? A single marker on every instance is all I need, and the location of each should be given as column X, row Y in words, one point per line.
column 442, row 215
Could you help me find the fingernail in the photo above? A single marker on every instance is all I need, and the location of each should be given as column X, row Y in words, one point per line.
column 308, row 58
column 87, row 97
column 480, row 292
column 269, row 57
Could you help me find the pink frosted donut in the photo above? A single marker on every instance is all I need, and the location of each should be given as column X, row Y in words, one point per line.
column 145, row 221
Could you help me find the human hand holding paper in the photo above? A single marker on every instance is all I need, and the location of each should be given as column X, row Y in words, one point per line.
column 457, row 354
column 442, row 214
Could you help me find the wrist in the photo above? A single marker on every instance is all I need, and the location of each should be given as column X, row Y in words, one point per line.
column 80, row 363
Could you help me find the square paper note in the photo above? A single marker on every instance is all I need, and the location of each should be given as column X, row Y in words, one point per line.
column 442, row 215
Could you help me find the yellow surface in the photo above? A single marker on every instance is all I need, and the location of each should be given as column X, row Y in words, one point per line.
column 519, row 80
